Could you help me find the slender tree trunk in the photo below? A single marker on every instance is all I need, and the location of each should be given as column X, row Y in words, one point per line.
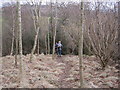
column 16, row 39
column 51, row 22
column 38, row 51
column 119, row 31
column 36, row 17
column 16, row 51
column 20, row 43
column 48, row 38
column 81, row 45
column 13, row 32
column 13, row 37
column 46, row 44
column 54, row 37
column 35, row 43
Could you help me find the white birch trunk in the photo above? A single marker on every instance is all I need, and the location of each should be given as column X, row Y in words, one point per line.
column 13, row 38
column 54, row 37
column 46, row 44
column 21, row 66
column 35, row 44
column 81, row 45
column 16, row 39
column 13, row 34
column 36, row 17
column 38, row 49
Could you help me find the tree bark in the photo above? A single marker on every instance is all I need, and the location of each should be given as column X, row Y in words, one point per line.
column 13, row 38
column 119, row 31
column 81, row 45
column 48, row 38
column 46, row 44
column 20, row 44
column 35, row 44
column 12, row 46
column 36, row 18
column 16, row 38
column 38, row 50
column 13, row 34
column 54, row 37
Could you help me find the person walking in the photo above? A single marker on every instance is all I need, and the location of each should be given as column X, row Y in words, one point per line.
column 59, row 45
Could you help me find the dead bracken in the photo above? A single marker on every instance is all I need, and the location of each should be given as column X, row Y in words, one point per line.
column 63, row 72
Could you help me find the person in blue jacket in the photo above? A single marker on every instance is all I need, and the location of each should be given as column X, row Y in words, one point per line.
column 59, row 46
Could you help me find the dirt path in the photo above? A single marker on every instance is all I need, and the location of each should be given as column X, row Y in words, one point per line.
column 63, row 83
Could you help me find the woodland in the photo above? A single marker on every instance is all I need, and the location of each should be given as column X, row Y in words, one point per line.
column 88, row 31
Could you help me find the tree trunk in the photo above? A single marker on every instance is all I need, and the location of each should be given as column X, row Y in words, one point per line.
column 35, row 43
column 36, row 18
column 38, row 50
column 46, row 44
column 13, row 34
column 13, row 38
column 16, row 38
column 81, row 45
column 20, row 43
column 16, row 51
column 48, row 39
column 54, row 37
column 119, row 31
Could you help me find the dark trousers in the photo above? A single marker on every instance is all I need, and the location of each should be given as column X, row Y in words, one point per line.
column 59, row 52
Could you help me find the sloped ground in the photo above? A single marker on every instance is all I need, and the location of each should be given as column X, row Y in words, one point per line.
column 63, row 72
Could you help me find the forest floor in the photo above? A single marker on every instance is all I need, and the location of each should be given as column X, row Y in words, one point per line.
column 63, row 72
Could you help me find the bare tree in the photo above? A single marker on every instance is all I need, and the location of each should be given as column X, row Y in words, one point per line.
column 54, row 36
column 16, row 39
column 36, row 18
column 81, row 28
column 48, row 38
column 20, row 41
column 46, row 48
column 38, row 48
column 119, row 30
column 13, row 31
column 102, row 33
